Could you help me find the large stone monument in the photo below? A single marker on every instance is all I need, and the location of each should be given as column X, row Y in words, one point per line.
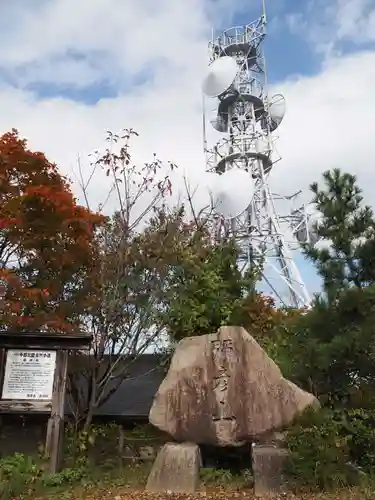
column 222, row 389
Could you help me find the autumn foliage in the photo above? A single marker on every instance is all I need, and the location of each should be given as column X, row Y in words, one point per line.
column 46, row 241
column 261, row 317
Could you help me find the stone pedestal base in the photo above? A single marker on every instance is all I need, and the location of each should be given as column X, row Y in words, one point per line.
column 268, row 463
column 176, row 469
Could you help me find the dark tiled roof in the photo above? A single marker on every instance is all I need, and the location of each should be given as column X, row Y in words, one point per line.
column 133, row 399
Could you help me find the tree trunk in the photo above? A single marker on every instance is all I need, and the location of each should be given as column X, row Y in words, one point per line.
column 91, row 404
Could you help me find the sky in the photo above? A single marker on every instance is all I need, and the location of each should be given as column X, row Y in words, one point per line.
column 70, row 71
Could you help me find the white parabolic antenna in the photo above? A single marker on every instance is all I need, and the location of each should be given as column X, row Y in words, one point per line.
column 307, row 232
column 232, row 192
column 276, row 110
column 219, row 125
column 220, row 76
column 313, row 223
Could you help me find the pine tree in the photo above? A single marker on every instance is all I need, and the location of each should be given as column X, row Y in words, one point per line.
column 332, row 347
column 348, row 226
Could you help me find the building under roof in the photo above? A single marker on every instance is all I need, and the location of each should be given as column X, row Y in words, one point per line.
column 133, row 399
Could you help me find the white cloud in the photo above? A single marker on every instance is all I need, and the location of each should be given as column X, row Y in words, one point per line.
column 129, row 35
column 329, row 123
column 165, row 42
column 328, row 25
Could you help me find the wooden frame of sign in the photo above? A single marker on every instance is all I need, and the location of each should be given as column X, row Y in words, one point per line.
column 43, row 359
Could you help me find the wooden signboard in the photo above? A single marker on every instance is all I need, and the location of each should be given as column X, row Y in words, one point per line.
column 33, row 379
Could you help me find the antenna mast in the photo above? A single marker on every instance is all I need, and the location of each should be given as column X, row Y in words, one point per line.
column 247, row 120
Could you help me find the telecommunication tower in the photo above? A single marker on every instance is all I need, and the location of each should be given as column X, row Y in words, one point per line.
column 243, row 158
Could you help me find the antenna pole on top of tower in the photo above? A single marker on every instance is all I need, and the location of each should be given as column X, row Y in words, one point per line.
column 264, row 15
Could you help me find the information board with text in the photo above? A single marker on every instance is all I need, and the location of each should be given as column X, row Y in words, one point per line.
column 29, row 375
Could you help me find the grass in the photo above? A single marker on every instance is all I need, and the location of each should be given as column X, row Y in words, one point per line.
column 127, row 482
column 93, row 482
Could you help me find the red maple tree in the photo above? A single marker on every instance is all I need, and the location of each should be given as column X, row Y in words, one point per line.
column 47, row 242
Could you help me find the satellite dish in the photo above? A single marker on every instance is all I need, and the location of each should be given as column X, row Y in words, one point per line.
column 220, row 76
column 276, row 111
column 219, row 124
column 302, row 234
column 313, row 223
column 306, row 232
column 232, row 192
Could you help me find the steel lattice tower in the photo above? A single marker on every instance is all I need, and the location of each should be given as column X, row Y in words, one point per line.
column 245, row 120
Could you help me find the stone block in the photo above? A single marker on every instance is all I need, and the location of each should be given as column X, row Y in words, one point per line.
column 175, row 469
column 268, row 462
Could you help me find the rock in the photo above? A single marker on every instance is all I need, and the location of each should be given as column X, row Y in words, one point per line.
column 176, row 469
column 268, row 463
column 222, row 389
column 276, row 439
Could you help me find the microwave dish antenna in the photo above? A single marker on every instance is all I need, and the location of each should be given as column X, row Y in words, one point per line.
column 232, row 192
column 304, row 223
column 247, row 119
column 220, row 124
column 220, row 76
column 276, row 111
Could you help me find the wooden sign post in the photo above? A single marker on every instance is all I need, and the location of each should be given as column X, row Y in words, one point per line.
column 33, row 379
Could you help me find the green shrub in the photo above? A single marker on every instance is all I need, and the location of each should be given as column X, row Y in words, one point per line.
column 66, row 476
column 18, row 474
column 21, row 474
column 360, row 425
column 319, row 452
column 78, row 444
column 247, row 477
column 218, row 477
